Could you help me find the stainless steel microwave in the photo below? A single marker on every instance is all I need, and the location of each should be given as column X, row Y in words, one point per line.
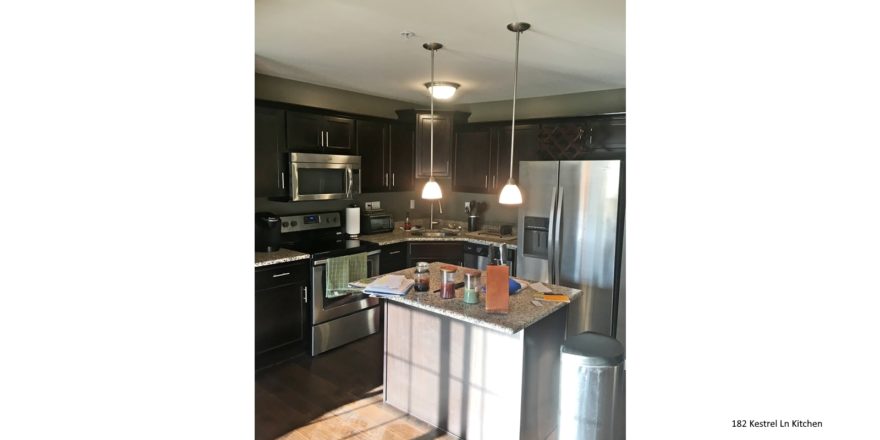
column 324, row 176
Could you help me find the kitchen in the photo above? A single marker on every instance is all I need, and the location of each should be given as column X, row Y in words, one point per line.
column 341, row 177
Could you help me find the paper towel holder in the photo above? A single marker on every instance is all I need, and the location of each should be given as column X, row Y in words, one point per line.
column 353, row 220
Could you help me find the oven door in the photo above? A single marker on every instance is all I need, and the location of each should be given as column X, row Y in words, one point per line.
column 329, row 305
column 320, row 181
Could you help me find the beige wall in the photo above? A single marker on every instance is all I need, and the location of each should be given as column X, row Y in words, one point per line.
column 574, row 104
column 295, row 92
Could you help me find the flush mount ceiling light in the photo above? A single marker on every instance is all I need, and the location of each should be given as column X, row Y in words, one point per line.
column 442, row 89
column 510, row 194
column 432, row 191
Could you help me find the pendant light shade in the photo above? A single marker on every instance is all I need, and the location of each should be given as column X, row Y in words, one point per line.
column 510, row 194
column 432, row 191
column 442, row 89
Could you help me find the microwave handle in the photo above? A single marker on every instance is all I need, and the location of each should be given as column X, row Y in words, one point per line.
column 350, row 174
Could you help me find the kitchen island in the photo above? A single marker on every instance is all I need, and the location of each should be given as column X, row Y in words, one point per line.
column 475, row 374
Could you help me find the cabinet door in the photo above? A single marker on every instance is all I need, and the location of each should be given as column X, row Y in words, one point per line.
column 304, row 132
column 473, row 161
column 372, row 139
column 525, row 148
column 280, row 316
column 268, row 154
column 339, row 136
column 393, row 258
column 607, row 133
column 445, row 252
column 400, row 156
column 442, row 146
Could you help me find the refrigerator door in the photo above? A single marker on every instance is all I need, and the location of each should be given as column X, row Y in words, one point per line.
column 586, row 239
column 534, row 253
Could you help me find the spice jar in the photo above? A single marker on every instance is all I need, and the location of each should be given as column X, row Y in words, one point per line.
column 447, row 282
column 472, row 282
column 422, row 277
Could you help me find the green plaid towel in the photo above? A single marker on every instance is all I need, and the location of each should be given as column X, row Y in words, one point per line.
column 342, row 270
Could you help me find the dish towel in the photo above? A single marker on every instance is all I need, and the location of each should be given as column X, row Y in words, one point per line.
column 342, row 270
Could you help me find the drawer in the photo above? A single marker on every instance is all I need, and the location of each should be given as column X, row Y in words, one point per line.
column 282, row 274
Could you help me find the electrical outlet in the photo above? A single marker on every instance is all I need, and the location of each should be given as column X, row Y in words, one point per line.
column 412, row 204
column 467, row 205
column 377, row 205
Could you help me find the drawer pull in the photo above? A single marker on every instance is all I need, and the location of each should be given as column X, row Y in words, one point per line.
column 281, row 275
column 393, row 252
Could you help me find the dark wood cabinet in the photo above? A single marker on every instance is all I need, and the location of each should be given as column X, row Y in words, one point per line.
column 317, row 133
column 482, row 156
column 269, row 149
column 393, row 258
column 473, row 160
column 582, row 138
column 372, row 141
column 444, row 123
column 386, row 152
column 450, row 252
column 401, row 147
column 281, row 312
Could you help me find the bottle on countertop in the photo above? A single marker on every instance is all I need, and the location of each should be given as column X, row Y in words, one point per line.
column 406, row 224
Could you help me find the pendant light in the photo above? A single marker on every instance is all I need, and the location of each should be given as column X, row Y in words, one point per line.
column 432, row 191
column 510, row 194
column 442, row 89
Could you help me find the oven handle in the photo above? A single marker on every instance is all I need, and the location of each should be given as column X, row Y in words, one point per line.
column 323, row 262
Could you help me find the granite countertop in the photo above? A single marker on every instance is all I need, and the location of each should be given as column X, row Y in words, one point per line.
column 522, row 312
column 279, row 256
column 399, row 236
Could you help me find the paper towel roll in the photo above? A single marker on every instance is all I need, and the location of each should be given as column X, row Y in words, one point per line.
column 353, row 221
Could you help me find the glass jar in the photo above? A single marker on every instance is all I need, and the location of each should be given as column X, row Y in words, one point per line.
column 472, row 284
column 422, row 277
column 447, row 282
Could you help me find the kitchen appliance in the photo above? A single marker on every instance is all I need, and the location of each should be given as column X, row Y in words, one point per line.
column 324, row 176
column 268, row 232
column 376, row 221
column 338, row 317
column 568, row 231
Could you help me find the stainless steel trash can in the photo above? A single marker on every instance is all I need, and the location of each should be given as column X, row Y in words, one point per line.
column 591, row 388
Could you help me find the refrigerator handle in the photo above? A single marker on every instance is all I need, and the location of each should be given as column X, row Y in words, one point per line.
column 557, row 234
column 551, row 239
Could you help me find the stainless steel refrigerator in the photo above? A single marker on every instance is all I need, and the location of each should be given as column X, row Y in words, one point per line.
column 569, row 226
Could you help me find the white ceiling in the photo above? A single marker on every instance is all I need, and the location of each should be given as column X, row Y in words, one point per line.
column 573, row 45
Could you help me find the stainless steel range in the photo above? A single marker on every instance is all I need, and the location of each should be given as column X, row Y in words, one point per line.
column 339, row 316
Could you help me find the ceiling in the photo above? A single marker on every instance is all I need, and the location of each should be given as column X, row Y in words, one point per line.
column 573, row 46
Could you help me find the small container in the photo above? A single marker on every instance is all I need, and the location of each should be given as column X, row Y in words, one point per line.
column 447, row 282
column 406, row 224
column 422, row 277
column 472, row 285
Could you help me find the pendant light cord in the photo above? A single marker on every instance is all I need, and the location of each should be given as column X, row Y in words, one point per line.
column 431, row 92
column 513, row 117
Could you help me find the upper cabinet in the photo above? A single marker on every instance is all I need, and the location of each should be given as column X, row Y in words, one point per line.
column 581, row 138
column 482, row 155
column 316, row 133
column 444, row 123
column 386, row 156
column 269, row 152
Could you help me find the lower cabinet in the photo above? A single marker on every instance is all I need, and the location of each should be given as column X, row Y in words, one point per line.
column 450, row 252
column 281, row 312
column 393, row 258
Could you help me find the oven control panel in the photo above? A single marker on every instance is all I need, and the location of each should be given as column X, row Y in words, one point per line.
column 308, row 222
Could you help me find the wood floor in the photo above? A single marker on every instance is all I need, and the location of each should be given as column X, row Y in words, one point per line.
column 336, row 395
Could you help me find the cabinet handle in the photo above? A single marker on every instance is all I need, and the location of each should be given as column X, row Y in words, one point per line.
column 393, row 252
column 327, row 134
column 305, row 294
column 392, row 179
column 487, row 181
column 385, row 180
column 282, row 180
column 322, row 138
column 281, row 275
column 493, row 181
